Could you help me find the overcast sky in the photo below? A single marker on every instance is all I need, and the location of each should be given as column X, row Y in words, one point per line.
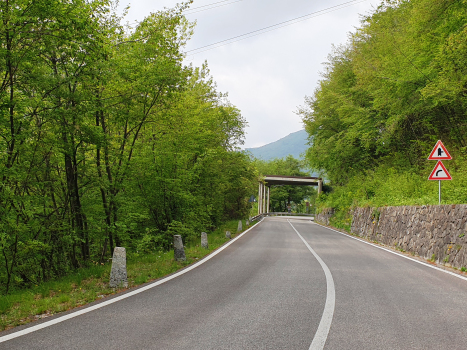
column 266, row 76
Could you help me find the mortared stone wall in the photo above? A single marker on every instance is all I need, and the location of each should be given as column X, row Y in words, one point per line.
column 437, row 232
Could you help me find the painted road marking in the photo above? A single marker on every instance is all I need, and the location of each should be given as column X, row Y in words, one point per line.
column 124, row 296
column 325, row 324
column 396, row 253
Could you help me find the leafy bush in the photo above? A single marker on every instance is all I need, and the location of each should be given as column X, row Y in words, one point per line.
column 380, row 108
column 151, row 240
column 178, row 228
column 387, row 186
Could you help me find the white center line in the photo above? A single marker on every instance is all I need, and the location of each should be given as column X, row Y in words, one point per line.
column 325, row 324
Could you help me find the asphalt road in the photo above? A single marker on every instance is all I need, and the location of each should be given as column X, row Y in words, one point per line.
column 269, row 290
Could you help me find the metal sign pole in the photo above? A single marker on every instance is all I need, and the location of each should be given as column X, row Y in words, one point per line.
column 439, row 153
column 439, row 192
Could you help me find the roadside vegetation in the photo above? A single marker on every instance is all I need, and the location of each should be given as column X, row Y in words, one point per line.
column 107, row 139
column 92, row 283
column 386, row 97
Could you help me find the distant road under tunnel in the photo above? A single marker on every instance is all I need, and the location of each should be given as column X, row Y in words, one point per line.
column 270, row 290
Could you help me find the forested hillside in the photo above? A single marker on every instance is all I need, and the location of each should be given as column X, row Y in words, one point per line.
column 395, row 88
column 293, row 144
column 107, row 138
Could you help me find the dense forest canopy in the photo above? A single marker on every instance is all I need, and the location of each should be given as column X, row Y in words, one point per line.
column 107, row 138
column 396, row 87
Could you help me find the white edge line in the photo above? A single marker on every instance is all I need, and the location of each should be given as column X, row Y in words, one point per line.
column 319, row 340
column 124, row 296
column 396, row 253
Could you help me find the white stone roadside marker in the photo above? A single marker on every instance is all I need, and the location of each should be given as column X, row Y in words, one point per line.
column 204, row 240
column 179, row 251
column 118, row 276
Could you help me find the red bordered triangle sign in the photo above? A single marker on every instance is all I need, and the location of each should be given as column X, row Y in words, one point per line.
column 440, row 173
column 439, row 152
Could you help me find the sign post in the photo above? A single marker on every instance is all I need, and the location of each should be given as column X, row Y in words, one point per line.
column 440, row 172
column 439, row 193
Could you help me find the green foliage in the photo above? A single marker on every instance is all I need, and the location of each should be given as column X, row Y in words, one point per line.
column 392, row 91
column 386, row 186
column 177, row 228
column 151, row 240
column 107, row 138
column 395, row 88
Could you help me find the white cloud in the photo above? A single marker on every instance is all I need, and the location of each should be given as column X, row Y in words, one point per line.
column 266, row 76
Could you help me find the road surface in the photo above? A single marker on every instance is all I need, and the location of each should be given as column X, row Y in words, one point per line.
column 285, row 284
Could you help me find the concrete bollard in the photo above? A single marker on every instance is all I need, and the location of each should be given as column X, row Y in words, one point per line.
column 179, row 251
column 228, row 234
column 239, row 227
column 204, row 240
column 247, row 223
column 118, row 276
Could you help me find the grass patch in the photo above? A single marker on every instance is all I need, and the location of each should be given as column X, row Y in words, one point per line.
column 390, row 186
column 90, row 284
column 342, row 220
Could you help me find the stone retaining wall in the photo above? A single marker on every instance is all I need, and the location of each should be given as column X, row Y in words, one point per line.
column 434, row 232
column 324, row 216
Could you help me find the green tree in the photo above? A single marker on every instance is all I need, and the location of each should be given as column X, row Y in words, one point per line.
column 383, row 98
column 107, row 138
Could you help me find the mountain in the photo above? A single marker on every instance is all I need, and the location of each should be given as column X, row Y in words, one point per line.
column 293, row 144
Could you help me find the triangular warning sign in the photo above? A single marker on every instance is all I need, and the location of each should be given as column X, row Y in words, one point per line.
column 439, row 152
column 440, row 173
